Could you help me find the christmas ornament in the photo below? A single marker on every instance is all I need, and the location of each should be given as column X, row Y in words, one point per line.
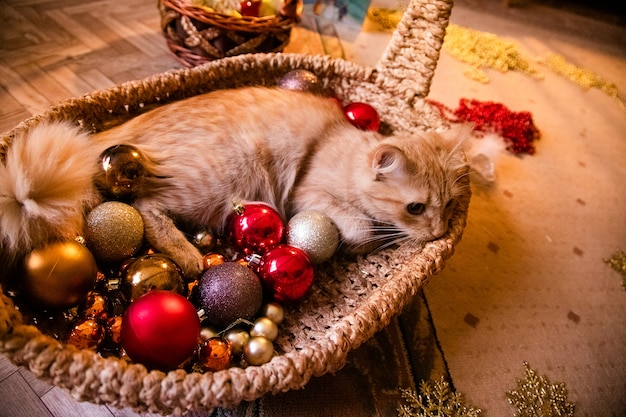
column 95, row 306
column 229, row 292
column 258, row 350
column 255, row 227
column 435, row 398
column 617, row 261
column 122, row 172
column 237, row 339
column 208, row 332
column 215, row 355
column 301, row 80
column 315, row 233
column 264, row 327
column 87, row 334
column 160, row 330
column 204, row 241
column 286, row 273
column 151, row 272
column 536, row 396
column 114, row 329
column 59, row 275
column 212, row 259
column 363, row 116
column 273, row 311
column 113, row 231
column 251, row 8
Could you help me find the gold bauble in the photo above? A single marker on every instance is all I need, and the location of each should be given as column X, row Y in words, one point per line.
column 264, row 327
column 273, row 311
column 237, row 339
column 59, row 275
column 258, row 350
column 151, row 272
column 114, row 231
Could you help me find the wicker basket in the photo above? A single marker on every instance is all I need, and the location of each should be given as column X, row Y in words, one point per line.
column 197, row 36
column 351, row 299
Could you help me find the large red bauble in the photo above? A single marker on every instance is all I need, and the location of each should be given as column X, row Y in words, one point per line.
column 362, row 115
column 160, row 330
column 256, row 228
column 286, row 273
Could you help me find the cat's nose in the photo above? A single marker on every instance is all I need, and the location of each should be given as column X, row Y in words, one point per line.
column 438, row 229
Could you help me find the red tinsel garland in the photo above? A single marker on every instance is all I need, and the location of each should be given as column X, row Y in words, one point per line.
column 517, row 128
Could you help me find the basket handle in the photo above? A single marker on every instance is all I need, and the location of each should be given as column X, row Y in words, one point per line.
column 411, row 57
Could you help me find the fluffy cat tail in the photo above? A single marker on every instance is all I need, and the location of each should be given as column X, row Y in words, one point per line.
column 45, row 184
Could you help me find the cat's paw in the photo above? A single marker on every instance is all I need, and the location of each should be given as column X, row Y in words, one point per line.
column 356, row 235
column 190, row 263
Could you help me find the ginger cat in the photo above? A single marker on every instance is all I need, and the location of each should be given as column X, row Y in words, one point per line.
column 293, row 150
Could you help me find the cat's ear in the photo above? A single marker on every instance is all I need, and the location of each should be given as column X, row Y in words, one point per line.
column 388, row 161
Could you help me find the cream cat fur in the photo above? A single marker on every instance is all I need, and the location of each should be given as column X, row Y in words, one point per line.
column 293, row 150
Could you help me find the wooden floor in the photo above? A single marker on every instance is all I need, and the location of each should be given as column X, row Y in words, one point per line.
column 58, row 49
column 51, row 50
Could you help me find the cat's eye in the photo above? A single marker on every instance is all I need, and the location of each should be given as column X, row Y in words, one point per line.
column 450, row 204
column 416, row 208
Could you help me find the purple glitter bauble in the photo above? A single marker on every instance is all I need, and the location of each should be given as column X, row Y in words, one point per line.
column 300, row 80
column 228, row 292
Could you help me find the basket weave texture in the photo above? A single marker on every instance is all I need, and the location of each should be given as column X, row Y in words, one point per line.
column 351, row 299
column 197, row 36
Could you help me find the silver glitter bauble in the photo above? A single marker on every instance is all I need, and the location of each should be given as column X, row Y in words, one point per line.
column 113, row 231
column 301, row 80
column 315, row 233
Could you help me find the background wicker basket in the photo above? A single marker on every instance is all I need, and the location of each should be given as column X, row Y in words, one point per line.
column 197, row 36
column 351, row 299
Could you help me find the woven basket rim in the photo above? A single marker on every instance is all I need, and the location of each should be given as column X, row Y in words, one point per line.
column 226, row 21
column 90, row 377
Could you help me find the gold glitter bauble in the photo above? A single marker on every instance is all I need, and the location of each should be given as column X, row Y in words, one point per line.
column 59, row 275
column 114, row 231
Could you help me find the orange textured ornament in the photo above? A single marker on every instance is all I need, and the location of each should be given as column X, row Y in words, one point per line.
column 215, row 355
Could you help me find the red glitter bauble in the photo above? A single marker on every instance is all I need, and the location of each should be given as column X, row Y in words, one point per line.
column 286, row 273
column 255, row 228
column 363, row 116
column 160, row 330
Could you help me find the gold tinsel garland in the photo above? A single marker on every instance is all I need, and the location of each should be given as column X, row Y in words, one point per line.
column 483, row 50
column 486, row 50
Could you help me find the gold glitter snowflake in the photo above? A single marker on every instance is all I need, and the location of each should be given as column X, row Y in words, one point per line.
column 436, row 399
column 618, row 263
column 537, row 397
